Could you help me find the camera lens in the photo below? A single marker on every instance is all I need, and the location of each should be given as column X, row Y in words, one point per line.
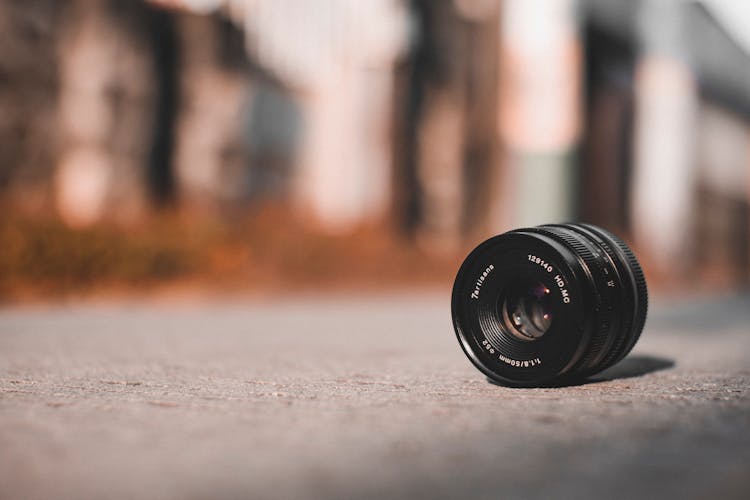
column 544, row 305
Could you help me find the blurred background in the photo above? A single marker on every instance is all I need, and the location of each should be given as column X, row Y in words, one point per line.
column 265, row 145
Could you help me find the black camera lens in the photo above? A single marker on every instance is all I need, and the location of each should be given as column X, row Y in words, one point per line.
column 549, row 304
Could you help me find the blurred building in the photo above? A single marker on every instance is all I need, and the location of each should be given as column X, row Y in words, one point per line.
column 452, row 119
column 665, row 153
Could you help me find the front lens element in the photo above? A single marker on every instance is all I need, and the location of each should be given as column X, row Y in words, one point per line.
column 526, row 311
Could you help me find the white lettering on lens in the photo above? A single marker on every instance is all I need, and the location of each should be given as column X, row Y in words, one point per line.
column 488, row 346
column 541, row 262
column 563, row 290
column 480, row 281
column 518, row 363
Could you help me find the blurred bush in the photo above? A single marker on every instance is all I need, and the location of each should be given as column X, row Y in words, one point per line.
column 263, row 252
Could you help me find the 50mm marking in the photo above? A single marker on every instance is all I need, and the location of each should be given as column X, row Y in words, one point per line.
column 525, row 363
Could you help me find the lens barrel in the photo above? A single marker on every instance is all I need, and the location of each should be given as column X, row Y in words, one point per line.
column 549, row 304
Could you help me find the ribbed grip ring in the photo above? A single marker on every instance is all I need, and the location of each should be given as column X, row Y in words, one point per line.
column 641, row 290
column 602, row 331
column 578, row 248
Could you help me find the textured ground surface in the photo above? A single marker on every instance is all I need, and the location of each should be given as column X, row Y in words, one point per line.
column 365, row 398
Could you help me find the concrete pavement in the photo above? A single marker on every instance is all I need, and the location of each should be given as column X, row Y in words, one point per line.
column 363, row 397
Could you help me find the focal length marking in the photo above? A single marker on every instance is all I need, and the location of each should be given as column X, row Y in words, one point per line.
column 480, row 281
column 526, row 363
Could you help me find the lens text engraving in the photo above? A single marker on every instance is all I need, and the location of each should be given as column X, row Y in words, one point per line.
column 558, row 279
column 541, row 262
column 563, row 290
column 480, row 281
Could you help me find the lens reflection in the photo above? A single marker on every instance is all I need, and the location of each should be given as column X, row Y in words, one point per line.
column 527, row 310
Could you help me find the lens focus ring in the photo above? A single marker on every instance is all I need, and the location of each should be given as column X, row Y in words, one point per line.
column 640, row 290
column 596, row 263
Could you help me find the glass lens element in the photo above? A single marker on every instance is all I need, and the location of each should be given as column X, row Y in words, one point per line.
column 527, row 310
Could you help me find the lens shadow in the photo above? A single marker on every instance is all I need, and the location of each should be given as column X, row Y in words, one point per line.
column 632, row 366
column 636, row 365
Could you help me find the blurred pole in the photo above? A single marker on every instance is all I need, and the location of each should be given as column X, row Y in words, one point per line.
column 214, row 87
column 448, row 118
column 440, row 145
column 431, row 118
column 539, row 112
column 481, row 169
column 166, row 59
column 666, row 100
column 607, row 142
